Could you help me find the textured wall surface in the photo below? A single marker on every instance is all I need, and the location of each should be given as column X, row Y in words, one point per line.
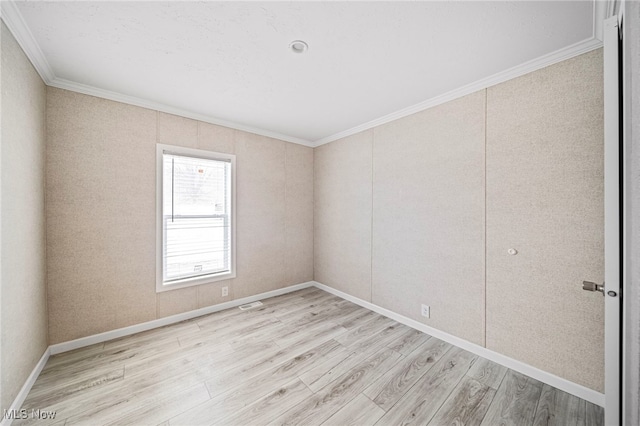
column 545, row 187
column 22, row 283
column 343, row 214
column 101, row 213
column 428, row 216
column 298, row 231
column 542, row 144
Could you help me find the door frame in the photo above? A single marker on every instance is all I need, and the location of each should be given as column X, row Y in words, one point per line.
column 612, row 222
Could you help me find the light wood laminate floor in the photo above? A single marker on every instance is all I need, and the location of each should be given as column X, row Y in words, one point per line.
column 306, row 357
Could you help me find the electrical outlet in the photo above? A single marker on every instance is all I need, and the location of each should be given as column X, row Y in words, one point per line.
column 426, row 311
column 225, row 291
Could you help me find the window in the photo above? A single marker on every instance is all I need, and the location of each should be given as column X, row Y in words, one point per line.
column 195, row 217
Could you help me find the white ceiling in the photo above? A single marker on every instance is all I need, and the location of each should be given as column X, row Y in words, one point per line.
column 230, row 62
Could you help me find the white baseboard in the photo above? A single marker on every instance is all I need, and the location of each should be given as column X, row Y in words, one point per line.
column 161, row 322
column 543, row 376
column 114, row 334
column 26, row 388
column 126, row 331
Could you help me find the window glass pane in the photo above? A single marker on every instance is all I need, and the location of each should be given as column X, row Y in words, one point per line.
column 199, row 186
column 196, row 217
column 196, row 246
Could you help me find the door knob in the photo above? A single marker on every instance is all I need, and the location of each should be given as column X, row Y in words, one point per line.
column 589, row 286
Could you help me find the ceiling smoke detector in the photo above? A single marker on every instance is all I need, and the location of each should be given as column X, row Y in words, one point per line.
column 298, row 46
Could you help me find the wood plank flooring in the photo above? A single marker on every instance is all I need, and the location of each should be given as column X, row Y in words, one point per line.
column 306, row 357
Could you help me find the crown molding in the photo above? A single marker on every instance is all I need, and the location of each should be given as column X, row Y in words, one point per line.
column 13, row 20
column 18, row 27
column 601, row 10
column 501, row 77
column 85, row 89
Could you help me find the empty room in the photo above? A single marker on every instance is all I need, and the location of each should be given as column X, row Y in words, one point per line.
column 320, row 213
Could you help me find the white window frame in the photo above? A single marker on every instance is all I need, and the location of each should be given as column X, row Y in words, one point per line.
column 187, row 282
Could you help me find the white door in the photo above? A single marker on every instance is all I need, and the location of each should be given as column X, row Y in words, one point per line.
column 612, row 267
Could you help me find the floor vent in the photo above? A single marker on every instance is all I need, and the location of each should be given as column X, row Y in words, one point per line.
column 250, row 306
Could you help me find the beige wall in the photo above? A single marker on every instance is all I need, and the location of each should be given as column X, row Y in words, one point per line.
column 428, row 216
column 22, row 282
column 343, row 214
column 545, row 198
column 101, row 213
column 420, row 214
column 400, row 216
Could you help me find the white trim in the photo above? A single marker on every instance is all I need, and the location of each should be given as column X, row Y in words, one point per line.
column 12, row 17
column 602, row 10
column 28, row 384
column 501, row 77
column 160, row 243
column 137, row 328
column 543, row 376
column 161, row 322
column 629, row 400
column 18, row 27
column 613, row 6
column 157, row 106
column 612, row 305
column 548, row 378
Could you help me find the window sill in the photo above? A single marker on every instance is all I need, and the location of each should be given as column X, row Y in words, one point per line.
column 189, row 282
